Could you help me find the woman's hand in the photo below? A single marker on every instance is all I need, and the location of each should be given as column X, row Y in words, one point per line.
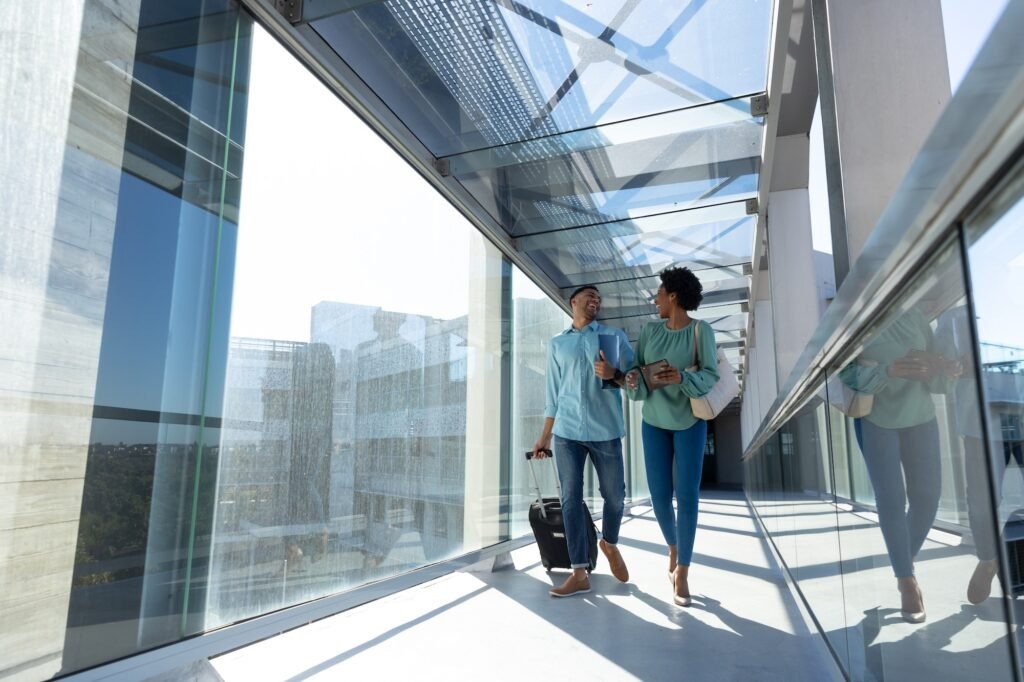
column 919, row 365
column 632, row 379
column 669, row 375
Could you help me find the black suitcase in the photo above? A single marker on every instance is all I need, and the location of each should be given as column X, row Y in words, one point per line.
column 549, row 530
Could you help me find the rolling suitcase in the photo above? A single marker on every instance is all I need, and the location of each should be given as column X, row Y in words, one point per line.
column 549, row 530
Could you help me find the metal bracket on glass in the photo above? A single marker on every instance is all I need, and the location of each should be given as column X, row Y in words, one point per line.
column 289, row 9
column 502, row 561
column 752, row 206
column 442, row 167
column 759, row 105
column 308, row 11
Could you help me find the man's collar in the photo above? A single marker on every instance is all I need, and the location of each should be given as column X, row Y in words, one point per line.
column 593, row 326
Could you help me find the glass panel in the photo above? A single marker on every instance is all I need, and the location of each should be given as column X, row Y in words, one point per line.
column 699, row 247
column 996, row 258
column 467, row 74
column 636, row 474
column 363, row 400
column 619, row 180
column 814, row 542
column 629, row 298
column 633, row 325
column 770, row 482
column 535, row 320
column 910, row 378
column 711, row 119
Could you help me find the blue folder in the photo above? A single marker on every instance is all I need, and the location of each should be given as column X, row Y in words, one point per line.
column 609, row 345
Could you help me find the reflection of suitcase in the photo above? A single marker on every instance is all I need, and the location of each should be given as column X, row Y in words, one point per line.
column 546, row 521
column 1013, row 536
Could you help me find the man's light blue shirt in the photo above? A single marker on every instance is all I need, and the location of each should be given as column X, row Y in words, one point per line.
column 582, row 410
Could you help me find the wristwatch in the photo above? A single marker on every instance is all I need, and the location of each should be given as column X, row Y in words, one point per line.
column 619, row 375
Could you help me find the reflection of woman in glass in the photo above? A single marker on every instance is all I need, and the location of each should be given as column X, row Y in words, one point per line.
column 900, row 440
column 672, row 436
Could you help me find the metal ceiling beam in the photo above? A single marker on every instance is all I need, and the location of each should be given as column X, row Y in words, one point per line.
column 712, row 289
column 726, row 267
column 715, row 297
column 653, row 224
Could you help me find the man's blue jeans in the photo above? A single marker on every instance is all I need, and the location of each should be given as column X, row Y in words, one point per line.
column 570, row 456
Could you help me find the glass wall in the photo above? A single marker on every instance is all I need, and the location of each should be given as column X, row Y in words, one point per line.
column 995, row 256
column 878, row 492
column 536, row 319
column 363, row 392
column 221, row 398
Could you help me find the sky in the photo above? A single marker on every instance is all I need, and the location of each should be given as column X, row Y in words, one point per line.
column 329, row 212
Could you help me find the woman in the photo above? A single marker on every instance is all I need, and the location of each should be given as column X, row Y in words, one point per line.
column 899, row 440
column 671, row 434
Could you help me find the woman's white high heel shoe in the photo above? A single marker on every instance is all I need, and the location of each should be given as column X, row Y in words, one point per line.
column 681, row 572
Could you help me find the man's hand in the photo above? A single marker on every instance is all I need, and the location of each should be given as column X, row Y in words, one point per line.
column 541, row 447
column 603, row 369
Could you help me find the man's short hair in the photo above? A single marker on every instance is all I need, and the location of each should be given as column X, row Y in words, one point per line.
column 584, row 288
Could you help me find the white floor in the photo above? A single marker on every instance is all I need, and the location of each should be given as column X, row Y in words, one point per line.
column 504, row 626
column 848, row 581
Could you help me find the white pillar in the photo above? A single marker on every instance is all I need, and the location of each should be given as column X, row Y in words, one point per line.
column 481, row 517
column 767, row 386
column 761, row 388
column 64, row 85
column 794, row 282
column 890, row 82
column 749, row 407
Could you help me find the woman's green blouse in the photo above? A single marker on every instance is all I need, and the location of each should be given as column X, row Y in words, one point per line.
column 669, row 407
column 899, row 403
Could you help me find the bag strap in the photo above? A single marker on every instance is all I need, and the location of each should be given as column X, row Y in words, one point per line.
column 696, row 341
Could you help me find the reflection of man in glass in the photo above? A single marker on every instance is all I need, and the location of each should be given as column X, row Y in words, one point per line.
column 1003, row 380
column 586, row 420
column 900, row 440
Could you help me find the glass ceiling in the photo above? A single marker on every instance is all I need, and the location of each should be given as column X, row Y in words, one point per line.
column 609, row 139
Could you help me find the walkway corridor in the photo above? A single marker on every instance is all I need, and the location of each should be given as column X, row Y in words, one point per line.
column 503, row 626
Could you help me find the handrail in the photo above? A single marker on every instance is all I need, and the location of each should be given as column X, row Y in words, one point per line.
column 980, row 133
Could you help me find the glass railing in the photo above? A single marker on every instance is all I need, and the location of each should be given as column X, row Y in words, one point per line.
column 889, row 473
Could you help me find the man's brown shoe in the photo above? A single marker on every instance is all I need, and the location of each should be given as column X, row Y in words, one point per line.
column 615, row 560
column 571, row 586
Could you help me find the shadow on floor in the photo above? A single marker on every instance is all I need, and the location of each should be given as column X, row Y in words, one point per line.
column 930, row 651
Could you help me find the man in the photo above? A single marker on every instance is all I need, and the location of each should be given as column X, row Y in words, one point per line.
column 586, row 419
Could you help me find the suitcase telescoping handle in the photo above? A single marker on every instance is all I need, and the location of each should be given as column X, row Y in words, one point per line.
column 536, row 481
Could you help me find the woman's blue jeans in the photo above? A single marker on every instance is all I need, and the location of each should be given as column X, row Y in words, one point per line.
column 683, row 452
column 570, row 456
column 904, row 466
